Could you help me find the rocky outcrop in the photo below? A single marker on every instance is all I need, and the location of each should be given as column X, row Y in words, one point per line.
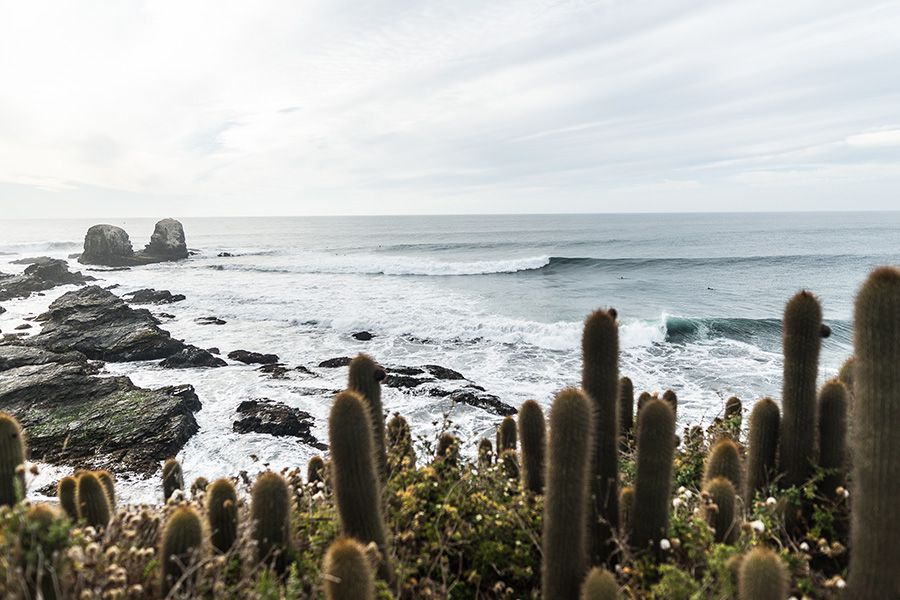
column 253, row 358
column 33, row 260
column 110, row 246
column 212, row 320
column 151, row 296
column 73, row 417
column 167, row 241
column 102, row 326
column 39, row 277
column 275, row 418
column 362, row 336
column 190, row 357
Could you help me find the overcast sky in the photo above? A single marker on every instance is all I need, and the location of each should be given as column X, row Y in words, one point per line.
column 185, row 108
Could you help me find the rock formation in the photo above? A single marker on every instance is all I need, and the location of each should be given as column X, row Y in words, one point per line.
column 38, row 277
column 110, row 246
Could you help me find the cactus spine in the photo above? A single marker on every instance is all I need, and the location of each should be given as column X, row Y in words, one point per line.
column 506, row 435
column 600, row 381
column 172, row 478
column 566, row 501
column 401, row 453
column 724, row 460
column 875, row 528
column 354, row 476
column 109, row 484
column 270, row 509
column 626, row 406
column 348, row 575
column 600, row 585
column 802, row 338
column 765, row 423
column 365, row 378
column 93, row 503
column 222, row 514
column 180, row 548
column 65, row 491
column 833, row 399
column 533, row 432
column 12, row 461
column 653, row 479
column 720, row 514
column 762, row 576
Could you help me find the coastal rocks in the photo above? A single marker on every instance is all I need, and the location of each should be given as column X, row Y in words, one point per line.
column 34, row 260
column 253, row 358
column 209, row 321
column 362, row 336
column 102, row 326
column 190, row 357
column 275, row 418
column 151, row 296
column 76, row 418
column 334, row 363
column 2, row 310
column 39, row 277
column 167, row 241
column 110, row 246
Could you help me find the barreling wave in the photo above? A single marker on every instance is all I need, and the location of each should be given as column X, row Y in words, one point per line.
column 683, row 329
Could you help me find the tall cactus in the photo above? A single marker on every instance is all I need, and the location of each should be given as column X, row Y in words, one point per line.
column 222, row 514
column 733, row 408
column 653, row 479
column 365, row 378
column 354, row 475
column 180, row 549
column 672, row 398
column 765, row 423
column 172, row 478
column 485, row 453
column 400, row 450
column 315, row 470
column 270, row 509
column 348, row 575
column 762, row 576
column 802, row 338
column 109, row 484
column 724, row 460
column 506, row 435
column 533, row 433
column 626, row 406
column 447, row 451
column 12, row 461
column 626, row 509
column 66, row 492
column 833, row 399
column 846, row 373
column 600, row 584
column 875, row 528
column 721, row 513
column 642, row 401
column 600, row 381
column 93, row 503
column 566, row 501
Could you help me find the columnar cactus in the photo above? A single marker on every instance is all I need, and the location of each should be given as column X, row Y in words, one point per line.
column 400, row 450
column 672, row 398
column 172, row 478
column 724, row 460
column 109, row 484
column 270, row 509
column 833, row 400
column 365, row 378
column 509, row 460
column 222, row 514
column 447, row 451
column 533, row 434
column 93, row 503
column 347, row 573
column 180, row 549
column 875, row 528
column 40, row 574
column 12, row 461
column 566, row 500
column 733, row 408
column 762, row 576
column 846, row 373
column 626, row 406
column 626, row 508
column 765, row 423
column 485, row 453
column 66, row 492
column 642, row 401
column 721, row 511
column 653, row 479
column 600, row 584
column 506, row 435
column 315, row 470
column 802, row 337
column 354, row 476
column 600, row 381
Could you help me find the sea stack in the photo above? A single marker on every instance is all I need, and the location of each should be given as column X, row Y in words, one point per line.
column 110, row 246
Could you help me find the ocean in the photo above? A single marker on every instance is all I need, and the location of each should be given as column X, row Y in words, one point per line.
column 499, row 298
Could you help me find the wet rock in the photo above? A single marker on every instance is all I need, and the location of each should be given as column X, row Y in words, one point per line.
column 151, row 296
column 333, row 363
column 275, row 370
column 106, row 245
column 214, row 350
column 2, row 310
column 23, row 327
column 439, row 372
column 192, row 357
column 101, row 325
column 167, row 241
column 209, row 321
column 34, row 260
column 275, row 418
column 253, row 358
column 225, row 255
column 482, row 400
column 363, row 336
column 164, row 315
column 40, row 277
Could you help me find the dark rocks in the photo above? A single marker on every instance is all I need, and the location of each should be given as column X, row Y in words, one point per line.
column 151, row 296
column 209, row 321
column 439, row 372
column 167, row 241
column 362, row 336
column 22, row 327
column 39, row 277
column 192, row 357
column 480, row 399
column 275, row 370
column 34, row 260
column 75, row 418
column 110, row 246
column 333, row 363
column 253, row 358
column 214, row 350
column 225, row 255
column 101, row 325
column 275, row 418
column 2, row 310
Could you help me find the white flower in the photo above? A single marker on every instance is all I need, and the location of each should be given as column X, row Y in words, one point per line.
column 804, row 546
column 320, row 485
column 758, row 526
column 687, row 494
column 771, row 502
column 682, row 490
column 840, row 583
column 664, row 544
column 677, row 502
column 319, row 497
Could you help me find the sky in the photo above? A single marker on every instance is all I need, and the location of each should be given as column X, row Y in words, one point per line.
column 220, row 107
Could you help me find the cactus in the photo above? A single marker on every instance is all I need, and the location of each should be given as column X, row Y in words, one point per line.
column 93, row 503
column 642, row 401
column 65, row 491
column 600, row 585
column 672, row 398
column 626, row 509
column 762, row 576
column 626, row 406
column 354, row 476
column 199, row 486
column 222, row 514
column 347, row 573
column 566, row 507
column 509, row 460
column 734, row 408
column 12, row 461
column 180, row 549
column 802, row 338
column 653, row 478
column 506, row 435
column 448, row 450
column 270, row 509
column 401, row 453
column 365, row 378
column 846, row 373
column 875, row 528
column 485, row 453
column 41, row 573
column 765, row 424
column 600, row 381
column 724, row 460
column 720, row 514
column 833, row 398
column 109, row 484
column 172, row 478
column 533, row 434
column 315, row 470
